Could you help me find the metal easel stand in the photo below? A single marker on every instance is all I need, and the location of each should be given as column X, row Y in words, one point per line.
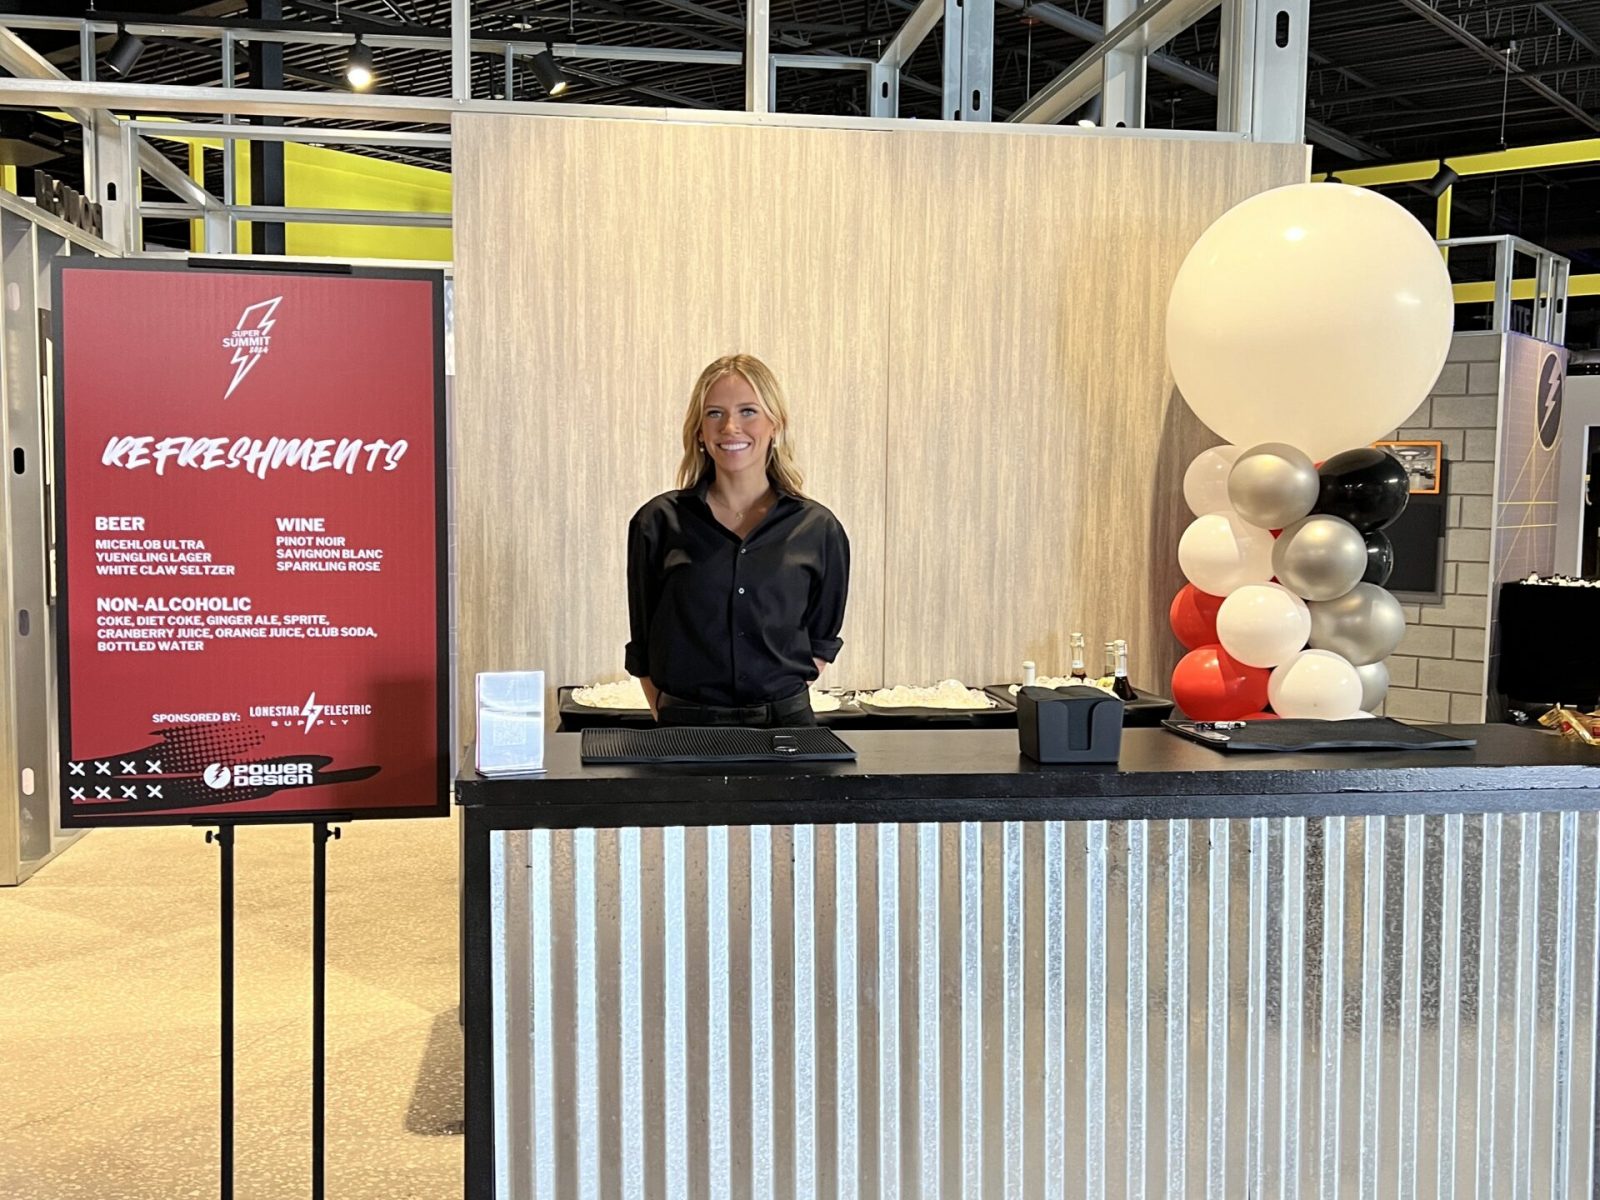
column 223, row 836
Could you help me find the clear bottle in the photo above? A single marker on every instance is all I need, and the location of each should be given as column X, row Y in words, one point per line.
column 1079, row 673
column 1120, row 685
column 1109, row 674
column 1029, row 672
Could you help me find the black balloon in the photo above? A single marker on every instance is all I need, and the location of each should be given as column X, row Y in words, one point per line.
column 1380, row 559
column 1367, row 487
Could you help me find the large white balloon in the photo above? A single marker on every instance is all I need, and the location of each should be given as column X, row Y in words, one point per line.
column 1205, row 483
column 1315, row 314
column 1316, row 684
column 1261, row 624
column 1219, row 552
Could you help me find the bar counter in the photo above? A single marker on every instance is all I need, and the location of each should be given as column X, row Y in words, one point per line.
column 1192, row 973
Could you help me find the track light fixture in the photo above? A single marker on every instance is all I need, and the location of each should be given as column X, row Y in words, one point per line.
column 125, row 51
column 1440, row 183
column 358, row 65
column 548, row 72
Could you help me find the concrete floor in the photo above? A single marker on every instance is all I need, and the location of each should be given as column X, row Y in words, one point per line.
column 108, row 1017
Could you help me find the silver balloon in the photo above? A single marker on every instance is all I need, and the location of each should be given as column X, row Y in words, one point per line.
column 1363, row 626
column 1320, row 557
column 1374, row 684
column 1273, row 485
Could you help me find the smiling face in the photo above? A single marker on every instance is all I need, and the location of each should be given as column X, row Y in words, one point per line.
column 735, row 430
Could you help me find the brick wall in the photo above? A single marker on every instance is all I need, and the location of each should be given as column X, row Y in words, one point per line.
column 1437, row 674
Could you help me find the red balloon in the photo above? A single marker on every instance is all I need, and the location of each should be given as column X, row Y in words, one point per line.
column 1193, row 616
column 1210, row 685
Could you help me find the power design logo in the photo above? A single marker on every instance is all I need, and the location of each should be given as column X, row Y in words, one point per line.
column 218, row 776
column 250, row 339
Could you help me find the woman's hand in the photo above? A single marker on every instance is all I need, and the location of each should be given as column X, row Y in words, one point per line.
column 822, row 665
column 650, row 694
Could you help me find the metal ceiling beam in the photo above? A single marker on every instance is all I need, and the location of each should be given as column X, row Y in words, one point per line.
column 30, row 67
column 727, row 20
column 1074, row 87
column 348, row 106
column 1549, row 13
column 442, row 44
column 1481, row 48
column 1186, row 73
column 917, row 27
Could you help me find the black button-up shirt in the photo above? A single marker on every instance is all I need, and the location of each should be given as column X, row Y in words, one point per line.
column 719, row 620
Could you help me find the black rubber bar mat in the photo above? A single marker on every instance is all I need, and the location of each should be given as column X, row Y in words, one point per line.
column 702, row 744
column 1376, row 733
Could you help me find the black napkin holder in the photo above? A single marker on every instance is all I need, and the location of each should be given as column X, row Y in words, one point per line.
column 1069, row 725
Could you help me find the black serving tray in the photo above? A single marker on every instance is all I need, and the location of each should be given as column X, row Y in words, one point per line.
column 1144, row 711
column 1003, row 716
column 576, row 717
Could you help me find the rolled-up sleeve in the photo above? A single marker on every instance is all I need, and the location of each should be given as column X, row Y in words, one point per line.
column 644, row 584
column 825, row 616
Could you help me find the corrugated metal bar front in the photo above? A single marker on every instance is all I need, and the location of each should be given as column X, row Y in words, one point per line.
column 1381, row 1007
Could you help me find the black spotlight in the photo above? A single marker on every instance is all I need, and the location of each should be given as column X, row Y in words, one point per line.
column 1446, row 178
column 548, row 72
column 125, row 51
column 358, row 65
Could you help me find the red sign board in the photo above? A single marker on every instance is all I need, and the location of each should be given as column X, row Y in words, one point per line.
column 252, row 596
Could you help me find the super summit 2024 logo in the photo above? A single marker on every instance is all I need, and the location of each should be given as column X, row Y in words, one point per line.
column 251, row 339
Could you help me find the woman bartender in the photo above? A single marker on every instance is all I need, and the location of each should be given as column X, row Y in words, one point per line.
column 737, row 581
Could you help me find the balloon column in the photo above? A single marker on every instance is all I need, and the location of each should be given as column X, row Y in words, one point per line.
column 1305, row 322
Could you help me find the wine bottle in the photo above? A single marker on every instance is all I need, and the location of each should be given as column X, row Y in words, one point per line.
column 1120, row 684
column 1078, row 674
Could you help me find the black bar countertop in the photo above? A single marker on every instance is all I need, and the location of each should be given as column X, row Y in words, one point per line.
column 980, row 775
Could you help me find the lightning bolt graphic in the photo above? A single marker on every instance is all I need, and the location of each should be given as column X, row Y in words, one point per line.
column 1550, row 397
column 311, row 711
column 245, row 357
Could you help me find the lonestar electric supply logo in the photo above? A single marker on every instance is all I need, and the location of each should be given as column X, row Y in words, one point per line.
column 309, row 715
column 250, row 339
column 250, row 775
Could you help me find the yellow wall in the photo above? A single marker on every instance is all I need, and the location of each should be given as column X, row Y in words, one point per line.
column 315, row 177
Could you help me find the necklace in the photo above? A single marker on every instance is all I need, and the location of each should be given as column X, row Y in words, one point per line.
column 727, row 508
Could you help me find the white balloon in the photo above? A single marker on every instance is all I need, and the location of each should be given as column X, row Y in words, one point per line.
column 1316, row 684
column 1219, row 552
column 1360, row 714
column 1205, row 483
column 1315, row 314
column 1261, row 624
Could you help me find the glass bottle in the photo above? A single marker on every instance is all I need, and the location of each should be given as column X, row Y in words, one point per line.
column 1029, row 672
column 1120, row 685
column 1079, row 673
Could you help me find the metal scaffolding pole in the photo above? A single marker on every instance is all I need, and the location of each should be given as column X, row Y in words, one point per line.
column 757, row 48
column 1123, row 74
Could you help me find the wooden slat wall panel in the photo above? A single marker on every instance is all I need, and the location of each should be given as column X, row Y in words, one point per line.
column 1037, row 444
column 969, row 325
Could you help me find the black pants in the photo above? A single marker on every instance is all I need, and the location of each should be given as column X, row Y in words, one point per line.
column 795, row 710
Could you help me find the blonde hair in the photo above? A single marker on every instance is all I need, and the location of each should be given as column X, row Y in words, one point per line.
column 782, row 469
